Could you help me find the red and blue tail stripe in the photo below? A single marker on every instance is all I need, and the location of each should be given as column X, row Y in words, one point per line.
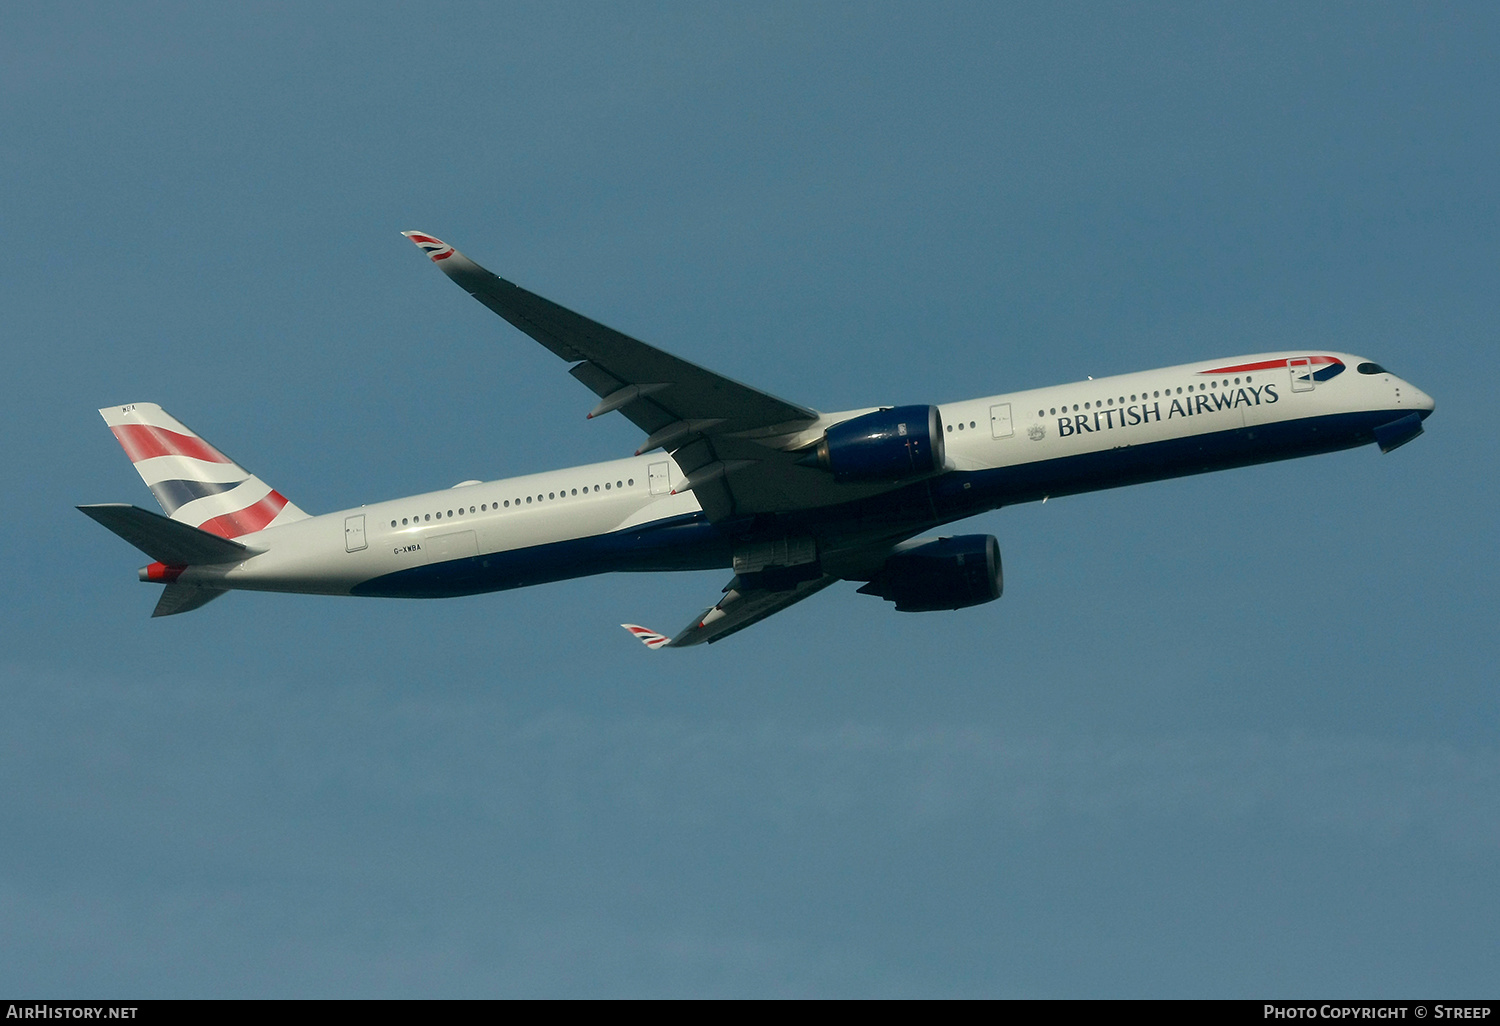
column 195, row 482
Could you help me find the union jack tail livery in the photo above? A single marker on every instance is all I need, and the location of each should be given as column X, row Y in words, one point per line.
column 195, row 483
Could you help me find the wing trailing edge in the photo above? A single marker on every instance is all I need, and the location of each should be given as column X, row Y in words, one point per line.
column 743, row 605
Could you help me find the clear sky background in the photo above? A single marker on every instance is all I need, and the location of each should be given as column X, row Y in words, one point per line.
column 1233, row 735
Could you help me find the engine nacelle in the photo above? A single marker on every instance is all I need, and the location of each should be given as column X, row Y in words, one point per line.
column 887, row 445
column 930, row 574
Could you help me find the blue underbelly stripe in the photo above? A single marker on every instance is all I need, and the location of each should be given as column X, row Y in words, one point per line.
column 690, row 542
column 687, row 542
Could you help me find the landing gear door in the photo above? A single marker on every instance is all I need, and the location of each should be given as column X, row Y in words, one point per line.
column 354, row 533
column 1302, row 374
column 1000, row 422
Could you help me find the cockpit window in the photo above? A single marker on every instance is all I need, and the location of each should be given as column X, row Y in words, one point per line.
column 1371, row 368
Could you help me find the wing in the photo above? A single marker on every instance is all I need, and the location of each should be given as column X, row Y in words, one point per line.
column 742, row 605
column 732, row 441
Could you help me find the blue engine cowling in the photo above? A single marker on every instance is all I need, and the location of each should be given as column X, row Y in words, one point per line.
column 930, row 574
column 887, row 445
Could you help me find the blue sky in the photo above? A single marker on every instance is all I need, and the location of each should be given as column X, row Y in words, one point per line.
column 1233, row 735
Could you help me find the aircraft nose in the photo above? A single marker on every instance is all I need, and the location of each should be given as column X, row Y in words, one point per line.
column 1420, row 401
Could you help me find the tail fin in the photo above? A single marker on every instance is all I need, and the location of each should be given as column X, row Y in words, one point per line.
column 195, row 483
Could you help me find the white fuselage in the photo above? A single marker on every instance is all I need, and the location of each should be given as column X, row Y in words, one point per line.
column 1011, row 447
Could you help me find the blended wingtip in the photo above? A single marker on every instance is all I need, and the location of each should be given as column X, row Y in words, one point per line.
column 646, row 636
column 433, row 246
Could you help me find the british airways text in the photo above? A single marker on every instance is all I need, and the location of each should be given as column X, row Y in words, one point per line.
column 1187, row 406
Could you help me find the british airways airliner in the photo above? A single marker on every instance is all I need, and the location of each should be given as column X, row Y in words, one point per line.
column 790, row 499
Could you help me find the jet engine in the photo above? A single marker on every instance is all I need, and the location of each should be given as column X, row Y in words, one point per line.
column 887, row 445
column 930, row 574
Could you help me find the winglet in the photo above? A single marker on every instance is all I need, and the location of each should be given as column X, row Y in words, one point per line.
column 646, row 636
column 437, row 249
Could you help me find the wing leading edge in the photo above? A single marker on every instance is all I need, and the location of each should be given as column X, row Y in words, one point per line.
column 739, row 447
column 743, row 605
column 718, row 430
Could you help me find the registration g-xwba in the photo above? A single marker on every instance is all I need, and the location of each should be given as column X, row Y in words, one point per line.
column 730, row 477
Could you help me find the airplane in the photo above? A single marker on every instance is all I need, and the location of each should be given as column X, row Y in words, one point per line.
column 789, row 499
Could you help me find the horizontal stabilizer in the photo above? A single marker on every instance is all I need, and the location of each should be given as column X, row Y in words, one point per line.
column 180, row 598
column 165, row 540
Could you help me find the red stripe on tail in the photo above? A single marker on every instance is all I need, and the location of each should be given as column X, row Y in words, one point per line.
column 143, row 442
column 248, row 520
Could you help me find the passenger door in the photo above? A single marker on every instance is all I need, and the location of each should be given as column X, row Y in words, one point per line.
column 1000, row 422
column 660, row 475
column 354, row 533
column 1302, row 374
